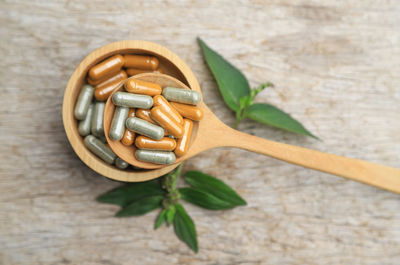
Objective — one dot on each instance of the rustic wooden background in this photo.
(336, 67)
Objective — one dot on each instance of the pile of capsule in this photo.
(161, 117)
(102, 79)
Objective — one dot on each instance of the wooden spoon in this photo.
(210, 133)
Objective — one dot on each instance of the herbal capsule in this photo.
(117, 128)
(101, 80)
(85, 125)
(121, 164)
(106, 67)
(100, 149)
(186, 96)
(164, 144)
(188, 111)
(124, 99)
(104, 89)
(134, 71)
(156, 157)
(146, 128)
(144, 114)
(141, 62)
(142, 87)
(165, 120)
(164, 104)
(129, 136)
(82, 104)
(97, 119)
(183, 143)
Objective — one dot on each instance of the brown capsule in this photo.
(163, 118)
(164, 144)
(101, 80)
(142, 87)
(104, 89)
(129, 136)
(141, 62)
(183, 143)
(135, 71)
(188, 111)
(164, 104)
(106, 67)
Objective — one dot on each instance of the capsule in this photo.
(82, 104)
(135, 71)
(156, 157)
(183, 143)
(121, 164)
(140, 62)
(164, 104)
(101, 80)
(85, 125)
(129, 136)
(100, 149)
(144, 114)
(106, 67)
(186, 96)
(129, 100)
(117, 128)
(97, 119)
(188, 111)
(104, 89)
(146, 128)
(165, 120)
(164, 144)
(142, 87)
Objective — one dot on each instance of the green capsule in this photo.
(85, 125)
(131, 100)
(84, 99)
(117, 128)
(99, 149)
(156, 157)
(180, 95)
(145, 128)
(121, 164)
(97, 119)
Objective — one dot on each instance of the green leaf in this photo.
(127, 194)
(141, 206)
(185, 228)
(204, 199)
(214, 186)
(270, 115)
(171, 214)
(160, 219)
(231, 82)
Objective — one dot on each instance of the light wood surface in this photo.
(335, 66)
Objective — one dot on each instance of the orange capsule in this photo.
(141, 62)
(144, 114)
(106, 67)
(163, 118)
(135, 71)
(129, 136)
(142, 87)
(183, 143)
(166, 106)
(104, 89)
(188, 111)
(164, 144)
(101, 80)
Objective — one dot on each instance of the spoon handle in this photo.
(369, 173)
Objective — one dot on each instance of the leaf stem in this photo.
(169, 184)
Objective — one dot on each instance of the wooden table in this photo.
(336, 68)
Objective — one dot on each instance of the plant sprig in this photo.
(236, 93)
(204, 191)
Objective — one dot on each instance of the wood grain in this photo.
(335, 66)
